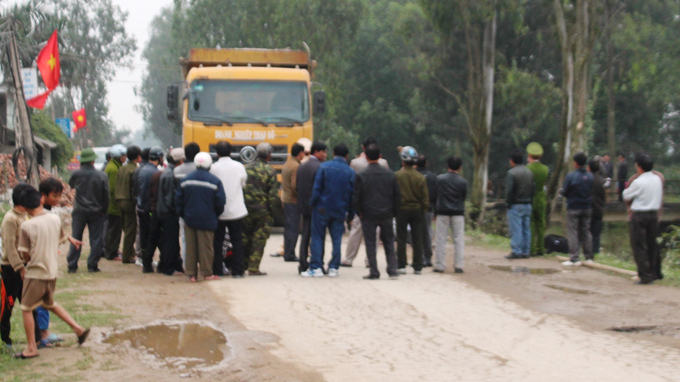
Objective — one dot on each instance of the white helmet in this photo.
(408, 154)
(117, 151)
(203, 160)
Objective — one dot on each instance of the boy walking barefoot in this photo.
(39, 240)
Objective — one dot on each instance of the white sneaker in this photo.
(589, 261)
(139, 261)
(401, 271)
(571, 264)
(332, 272)
(312, 273)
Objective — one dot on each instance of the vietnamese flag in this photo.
(48, 63)
(38, 102)
(79, 118)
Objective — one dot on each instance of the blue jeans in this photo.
(336, 227)
(43, 319)
(519, 222)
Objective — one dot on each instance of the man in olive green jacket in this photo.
(125, 198)
(538, 205)
(415, 201)
(115, 228)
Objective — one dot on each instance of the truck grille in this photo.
(279, 156)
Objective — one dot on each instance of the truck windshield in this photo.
(248, 101)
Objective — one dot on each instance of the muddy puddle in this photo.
(525, 270)
(660, 330)
(176, 345)
(569, 290)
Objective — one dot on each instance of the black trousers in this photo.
(95, 225)
(369, 228)
(644, 229)
(414, 218)
(291, 230)
(171, 258)
(11, 288)
(235, 262)
(596, 225)
(152, 241)
(144, 227)
(113, 236)
(304, 242)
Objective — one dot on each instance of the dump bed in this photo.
(281, 58)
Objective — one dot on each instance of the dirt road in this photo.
(484, 325)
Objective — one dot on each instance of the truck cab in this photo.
(245, 97)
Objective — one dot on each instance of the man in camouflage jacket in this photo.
(261, 195)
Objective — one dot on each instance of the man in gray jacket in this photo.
(376, 201)
(519, 194)
(92, 201)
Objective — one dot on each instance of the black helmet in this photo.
(156, 153)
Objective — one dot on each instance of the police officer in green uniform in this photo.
(541, 172)
(261, 195)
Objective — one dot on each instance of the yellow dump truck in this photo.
(245, 97)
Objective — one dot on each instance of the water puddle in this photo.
(660, 330)
(176, 345)
(569, 290)
(525, 270)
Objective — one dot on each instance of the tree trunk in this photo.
(483, 131)
(611, 100)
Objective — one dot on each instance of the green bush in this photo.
(44, 127)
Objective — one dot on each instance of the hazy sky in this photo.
(122, 99)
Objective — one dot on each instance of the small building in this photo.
(46, 148)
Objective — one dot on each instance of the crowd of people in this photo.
(213, 218)
(584, 189)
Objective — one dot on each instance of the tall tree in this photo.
(576, 23)
(475, 22)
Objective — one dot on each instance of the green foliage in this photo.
(44, 127)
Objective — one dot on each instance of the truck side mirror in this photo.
(319, 102)
(172, 103)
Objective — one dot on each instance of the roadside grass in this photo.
(72, 293)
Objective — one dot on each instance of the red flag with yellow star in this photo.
(48, 63)
(38, 102)
(79, 118)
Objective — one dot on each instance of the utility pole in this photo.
(22, 130)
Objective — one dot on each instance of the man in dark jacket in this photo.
(331, 201)
(135, 187)
(414, 203)
(578, 188)
(428, 233)
(450, 215)
(519, 195)
(597, 203)
(376, 202)
(91, 203)
(171, 260)
(622, 175)
(144, 205)
(125, 197)
(305, 186)
(155, 232)
(200, 201)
